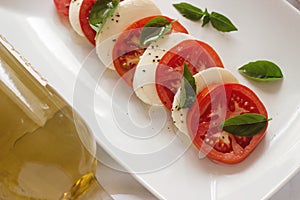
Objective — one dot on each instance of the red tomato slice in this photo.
(127, 50)
(84, 14)
(213, 106)
(62, 6)
(196, 54)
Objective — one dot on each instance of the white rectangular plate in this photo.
(158, 157)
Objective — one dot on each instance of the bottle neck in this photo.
(87, 187)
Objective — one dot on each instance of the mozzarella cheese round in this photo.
(127, 12)
(214, 75)
(74, 10)
(144, 77)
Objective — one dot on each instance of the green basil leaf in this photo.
(154, 29)
(100, 12)
(187, 89)
(218, 21)
(248, 124)
(261, 70)
(189, 11)
(206, 18)
(221, 23)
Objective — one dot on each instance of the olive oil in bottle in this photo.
(46, 150)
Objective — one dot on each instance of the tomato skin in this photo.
(62, 6)
(196, 54)
(127, 47)
(84, 14)
(204, 131)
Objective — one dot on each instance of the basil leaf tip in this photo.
(187, 89)
(221, 22)
(154, 30)
(248, 124)
(206, 18)
(100, 12)
(261, 70)
(189, 11)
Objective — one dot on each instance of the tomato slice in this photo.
(62, 6)
(127, 50)
(215, 104)
(84, 14)
(196, 54)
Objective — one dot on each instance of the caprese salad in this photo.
(166, 66)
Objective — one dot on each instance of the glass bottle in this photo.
(46, 149)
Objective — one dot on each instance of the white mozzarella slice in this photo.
(214, 75)
(144, 77)
(74, 10)
(127, 12)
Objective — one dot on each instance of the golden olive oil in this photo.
(42, 155)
